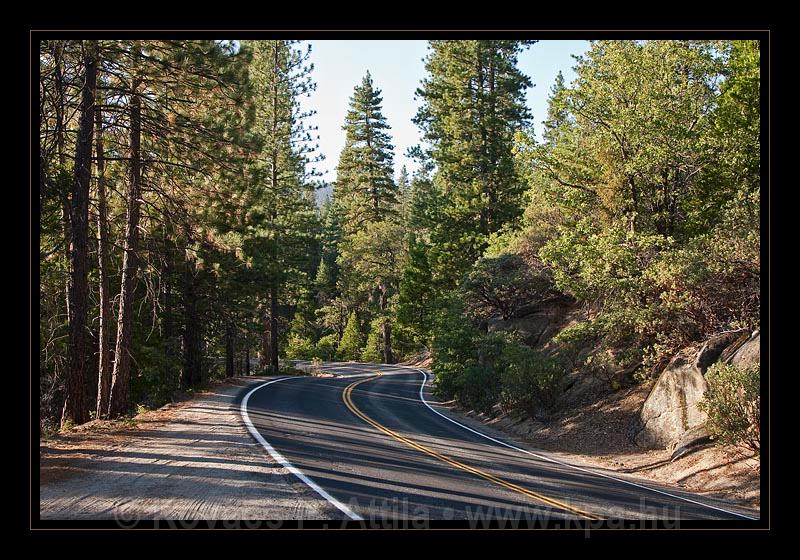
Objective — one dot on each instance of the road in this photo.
(369, 444)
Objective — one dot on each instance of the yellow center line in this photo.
(348, 401)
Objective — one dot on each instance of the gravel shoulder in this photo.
(189, 460)
(598, 436)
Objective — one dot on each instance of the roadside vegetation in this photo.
(179, 221)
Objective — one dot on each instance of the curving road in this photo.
(370, 444)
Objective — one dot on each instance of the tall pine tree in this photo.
(365, 186)
(472, 104)
(279, 219)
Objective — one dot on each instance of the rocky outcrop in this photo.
(715, 346)
(690, 441)
(670, 416)
(671, 408)
(537, 324)
(747, 354)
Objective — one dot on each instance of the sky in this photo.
(397, 69)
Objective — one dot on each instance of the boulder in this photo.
(690, 441)
(749, 353)
(714, 346)
(671, 408)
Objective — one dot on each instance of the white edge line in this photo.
(545, 458)
(282, 460)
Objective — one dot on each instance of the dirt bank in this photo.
(599, 434)
(190, 460)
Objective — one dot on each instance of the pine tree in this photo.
(75, 410)
(373, 350)
(473, 103)
(365, 187)
(350, 345)
(417, 298)
(280, 212)
(404, 195)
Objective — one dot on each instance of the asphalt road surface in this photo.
(369, 444)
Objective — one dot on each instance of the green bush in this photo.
(733, 404)
(530, 381)
(477, 387)
(373, 351)
(326, 348)
(299, 348)
(350, 345)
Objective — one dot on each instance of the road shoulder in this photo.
(189, 460)
(712, 471)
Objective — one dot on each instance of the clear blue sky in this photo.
(397, 68)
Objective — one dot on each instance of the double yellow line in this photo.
(348, 401)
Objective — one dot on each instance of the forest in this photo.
(181, 238)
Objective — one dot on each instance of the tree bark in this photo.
(192, 340)
(75, 409)
(104, 337)
(273, 327)
(264, 353)
(247, 361)
(58, 56)
(120, 377)
(386, 330)
(229, 351)
(273, 290)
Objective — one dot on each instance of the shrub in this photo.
(477, 387)
(326, 348)
(733, 404)
(299, 348)
(531, 382)
(350, 345)
(373, 351)
(498, 286)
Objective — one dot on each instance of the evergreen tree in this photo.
(373, 350)
(404, 195)
(473, 102)
(279, 209)
(417, 300)
(365, 188)
(351, 342)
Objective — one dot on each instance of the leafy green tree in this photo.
(501, 285)
(326, 348)
(375, 255)
(417, 300)
(632, 191)
(404, 195)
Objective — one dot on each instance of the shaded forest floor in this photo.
(188, 460)
(597, 432)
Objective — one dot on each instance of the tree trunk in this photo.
(263, 358)
(104, 337)
(58, 56)
(388, 358)
(386, 330)
(247, 361)
(120, 377)
(168, 321)
(75, 409)
(273, 327)
(192, 340)
(273, 290)
(229, 351)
